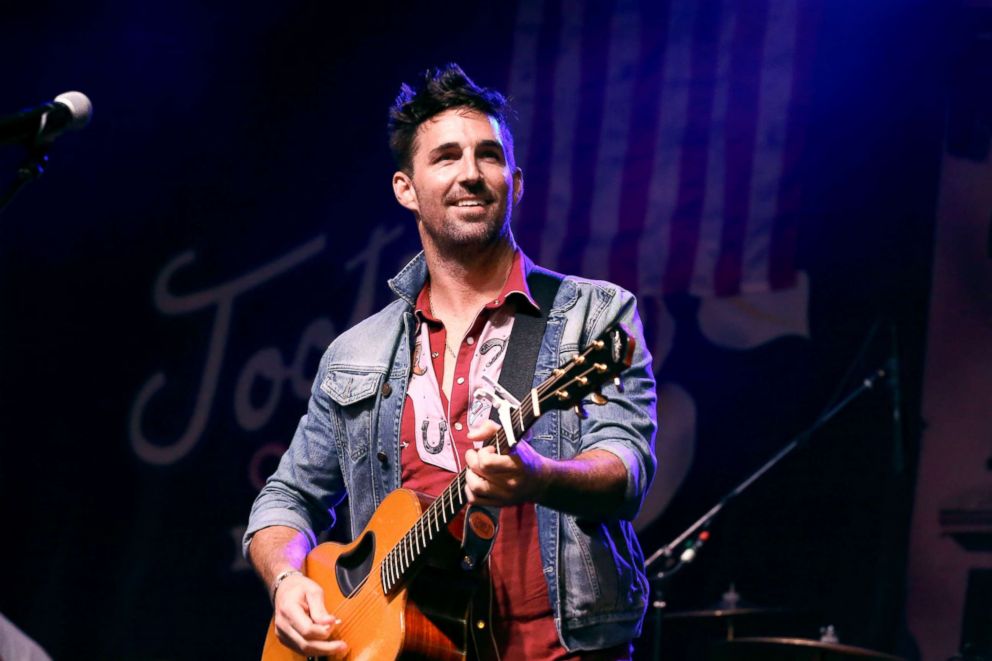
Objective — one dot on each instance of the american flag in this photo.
(660, 140)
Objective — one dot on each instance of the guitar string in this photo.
(366, 600)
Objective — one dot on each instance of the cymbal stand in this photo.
(693, 538)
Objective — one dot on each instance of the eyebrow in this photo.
(454, 145)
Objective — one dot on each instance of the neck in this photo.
(462, 284)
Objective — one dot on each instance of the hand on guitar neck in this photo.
(590, 484)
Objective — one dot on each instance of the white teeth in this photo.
(469, 203)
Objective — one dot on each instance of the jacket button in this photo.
(381, 456)
(387, 389)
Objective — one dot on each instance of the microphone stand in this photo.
(698, 533)
(31, 168)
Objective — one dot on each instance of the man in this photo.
(393, 404)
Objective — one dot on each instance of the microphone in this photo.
(40, 125)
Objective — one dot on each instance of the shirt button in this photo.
(387, 389)
(381, 456)
(458, 426)
(470, 340)
(461, 380)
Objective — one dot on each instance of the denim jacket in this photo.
(348, 444)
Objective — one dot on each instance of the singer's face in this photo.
(464, 182)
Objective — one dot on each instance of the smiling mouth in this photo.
(470, 203)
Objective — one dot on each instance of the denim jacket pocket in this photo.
(354, 393)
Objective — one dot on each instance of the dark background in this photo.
(242, 132)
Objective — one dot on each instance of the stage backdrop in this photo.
(762, 175)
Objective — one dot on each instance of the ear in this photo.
(404, 191)
(518, 185)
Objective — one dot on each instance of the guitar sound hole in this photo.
(354, 566)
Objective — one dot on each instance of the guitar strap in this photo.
(517, 376)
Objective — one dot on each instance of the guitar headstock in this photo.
(600, 362)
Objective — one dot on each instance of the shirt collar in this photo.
(515, 287)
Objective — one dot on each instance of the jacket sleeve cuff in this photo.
(279, 516)
(636, 486)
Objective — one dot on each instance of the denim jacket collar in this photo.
(410, 280)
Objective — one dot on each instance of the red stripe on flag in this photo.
(533, 211)
(638, 168)
(594, 54)
(740, 135)
(785, 230)
(685, 223)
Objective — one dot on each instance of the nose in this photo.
(470, 172)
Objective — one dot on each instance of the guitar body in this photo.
(426, 619)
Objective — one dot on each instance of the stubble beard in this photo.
(465, 242)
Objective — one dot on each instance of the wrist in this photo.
(546, 475)
(279, 579)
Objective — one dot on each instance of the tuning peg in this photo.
(562, 395)
(618, 383)
(598, 399)
(581, 411)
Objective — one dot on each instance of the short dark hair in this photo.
(441, 89)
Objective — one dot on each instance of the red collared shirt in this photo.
(523, 622)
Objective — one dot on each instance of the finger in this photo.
(335, 649)
(318, 612)
(490, 463)
(483, 432)
(289, 636)
(475, 486)
(483, 491)
(472, 459)
(293, 605)
(312, 641)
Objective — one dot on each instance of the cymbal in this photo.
(794, 649)
(719, 613)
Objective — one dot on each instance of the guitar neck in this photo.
(398, 562)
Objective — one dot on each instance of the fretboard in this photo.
(396, 565)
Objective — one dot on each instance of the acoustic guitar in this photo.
(397, 588)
